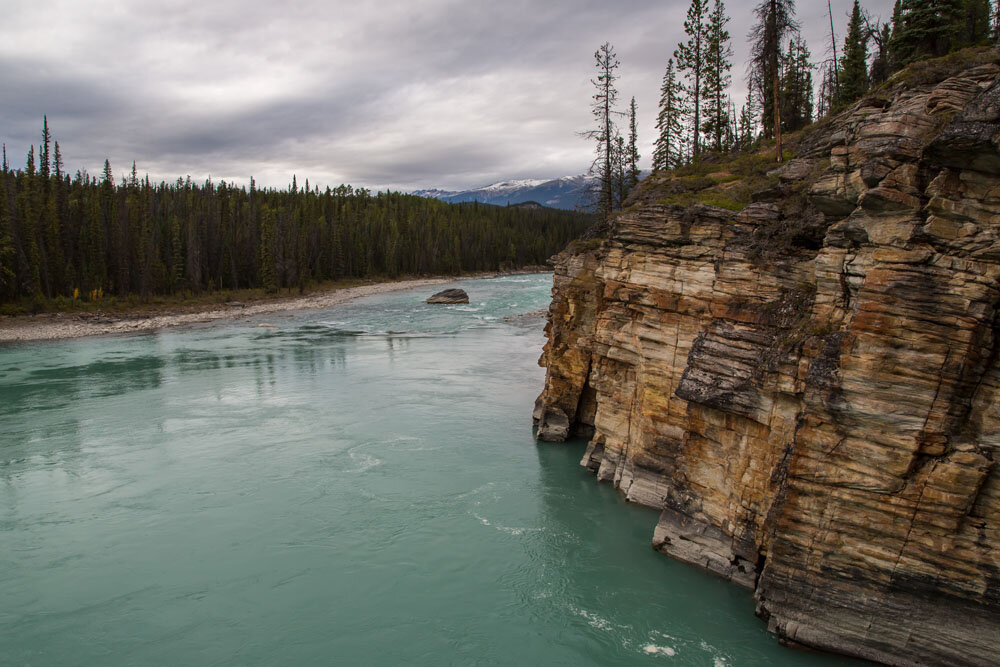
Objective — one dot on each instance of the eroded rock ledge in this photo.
(809, 387)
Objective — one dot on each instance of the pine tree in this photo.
(853, 75)
(775, 19)
(669, 122)
(54, 259)
(976, 29)
(927, 28)
(797, 87)
(176, 255)
(632, 151)
(57, 163)
(620, 171)
(27, 208)
(603, 110)
(827, 90)
(746, 126)
(690, 57)
(718, 64)
(96, 262)
(896, 30)
(881, 67)
(7, 254)
(43, 149)
(268, 251)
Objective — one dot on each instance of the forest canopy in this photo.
(84, 237)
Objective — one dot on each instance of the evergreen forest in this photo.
(86, 238)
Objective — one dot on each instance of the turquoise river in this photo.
(357, 486)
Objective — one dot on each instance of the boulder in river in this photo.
(450, 296)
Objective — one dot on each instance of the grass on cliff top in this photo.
(725, 181)
(934, 71)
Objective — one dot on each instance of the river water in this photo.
(355, 486)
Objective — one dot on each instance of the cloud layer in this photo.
(387, 94)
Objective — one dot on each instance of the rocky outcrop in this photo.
(449, 296)
(809, 387)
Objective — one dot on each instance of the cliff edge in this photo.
(800, 368)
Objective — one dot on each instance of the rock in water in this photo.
(450, 296)
(806, 381)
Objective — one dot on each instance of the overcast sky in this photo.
(395, 94)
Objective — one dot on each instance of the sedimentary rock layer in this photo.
(809, 387)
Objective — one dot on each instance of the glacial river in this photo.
(358, 486)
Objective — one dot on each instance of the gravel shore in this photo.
(56, 326)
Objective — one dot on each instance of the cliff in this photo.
(799, 367)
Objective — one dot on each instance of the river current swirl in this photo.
(353, 486)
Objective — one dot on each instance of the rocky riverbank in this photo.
(58, 325)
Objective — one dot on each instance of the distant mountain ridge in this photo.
(568, 192)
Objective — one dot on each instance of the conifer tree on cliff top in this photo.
(926, 28)
(632, 155)
(690, 58)
(775, 19)
(854, 64)
(975, 28)
(668, 122)
(718, 64)
(603, 110)
(796, 87)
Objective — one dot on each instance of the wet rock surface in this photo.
(449, 296)
(818, 419)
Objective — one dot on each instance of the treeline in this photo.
(84, 237)
(697, 113)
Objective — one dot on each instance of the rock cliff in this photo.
(800, 368)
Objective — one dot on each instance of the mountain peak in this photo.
(567, 192)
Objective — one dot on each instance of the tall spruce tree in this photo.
(43, 151)
(797, 87)
(268, 251)
(747, 123)
(691, 60)
(827, 90)
(775, 19)
(718, 65)
(669, 122)
(853, 75)
(896, 30)
(632, 150)
(603, 110)
(881, 67)
(928, 28)
(977, 26)
(620, 169)
(27, 210)
(7, 254)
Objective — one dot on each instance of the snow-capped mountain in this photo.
(568, 192)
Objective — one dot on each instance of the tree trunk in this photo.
(775, 49)
(833, 41)
(697, 97)
(777, 116)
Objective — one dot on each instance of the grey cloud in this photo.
(437, 93)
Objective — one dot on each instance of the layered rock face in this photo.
(809, 387)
